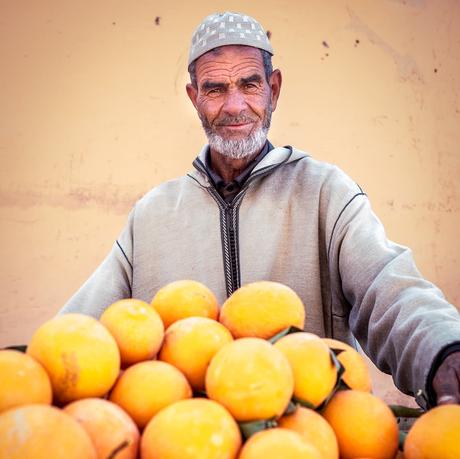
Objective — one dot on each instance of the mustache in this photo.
(229, 120)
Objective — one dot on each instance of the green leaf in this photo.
(250, 428)
(401, 440)
(343, 385)
(282, 333)
(339, 385)
(405, 412)
(303, 403)
(290, 409)
(17, 347)
(340, 368)
(336, 351)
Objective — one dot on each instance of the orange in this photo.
(251, 378)
(356, 375)
(42, 432)
(79, 354)
(278, 443)
(191, 343)
(185, 298)
(191, 429)
(435, 434)
(315, 374)
(363, 424)
(314, 429)
(109, 427)
(23, 381)
(262, 309)
(137, 329)
(147, 387)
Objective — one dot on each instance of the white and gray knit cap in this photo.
(228, 28)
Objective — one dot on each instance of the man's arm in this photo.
(401, 320)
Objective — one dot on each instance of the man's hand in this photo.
(446, 381)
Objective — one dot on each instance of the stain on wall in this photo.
(405, 65)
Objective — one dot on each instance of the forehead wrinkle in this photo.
(226, 69)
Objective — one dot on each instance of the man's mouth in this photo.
(235, 121)
(235, 125)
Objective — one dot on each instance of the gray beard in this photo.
(239, 148)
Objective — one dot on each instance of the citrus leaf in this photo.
(252, 427)
(401, 440)
(405, 412)
(343, 385)
(340, 368)
(339, 384)
(282, 333)
(303, 403)
(18, 347)
(290, 409)
(336, 351)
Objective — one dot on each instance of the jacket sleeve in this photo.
(401, 320)
(111, 281)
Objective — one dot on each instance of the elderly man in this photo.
(250, 211)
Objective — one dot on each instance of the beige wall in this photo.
(94, 113)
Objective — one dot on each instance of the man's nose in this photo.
(234, 103)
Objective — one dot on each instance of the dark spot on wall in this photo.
(327, 54)
(157, 20)
(114, 23)
(356, 42)
(435, 70)
(325, 44)
(269, 34)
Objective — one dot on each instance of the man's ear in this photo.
(275, 86)
(192, 93)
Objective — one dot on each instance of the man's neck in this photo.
(229, 168)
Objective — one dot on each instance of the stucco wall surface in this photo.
(94, 113)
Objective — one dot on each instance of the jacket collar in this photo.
(274, 158)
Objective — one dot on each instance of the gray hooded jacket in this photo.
(298, 221)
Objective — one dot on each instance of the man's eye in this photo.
(250, 86)
(215, 91)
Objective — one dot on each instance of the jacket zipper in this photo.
(229, 235)
(229, 226)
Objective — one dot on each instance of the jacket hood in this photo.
(276, 157)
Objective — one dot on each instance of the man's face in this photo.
(234, 100)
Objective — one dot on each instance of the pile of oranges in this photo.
(184, 378)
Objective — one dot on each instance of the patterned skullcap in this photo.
(220, 29)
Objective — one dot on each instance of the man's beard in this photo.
(238, 148)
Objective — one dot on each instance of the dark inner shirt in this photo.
(228, 190)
